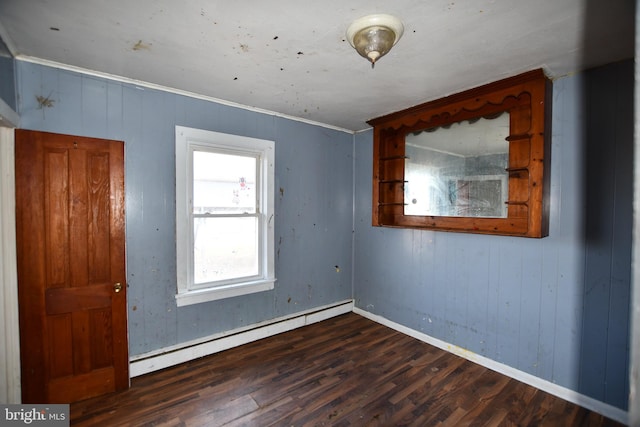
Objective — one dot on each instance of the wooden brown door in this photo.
(71, 266)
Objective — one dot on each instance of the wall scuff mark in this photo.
(44, 102)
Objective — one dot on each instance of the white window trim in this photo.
(186, 138)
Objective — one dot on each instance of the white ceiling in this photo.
(291, 56)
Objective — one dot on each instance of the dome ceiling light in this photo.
(373, 36)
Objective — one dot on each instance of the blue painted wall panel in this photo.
(94, 105)
(555, 307)
(566, 240)
(7, 76)
(314, 206)
(67, 102)
(618, 339)
(313, 218)
(599, 196)
(529, 307)
(608, 230)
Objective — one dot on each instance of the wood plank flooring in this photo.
(345, 371)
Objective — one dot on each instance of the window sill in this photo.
(222, 292)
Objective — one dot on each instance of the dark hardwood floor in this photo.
(346, 371)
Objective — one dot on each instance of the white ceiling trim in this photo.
(143, 84)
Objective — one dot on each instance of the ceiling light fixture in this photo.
(373, 36)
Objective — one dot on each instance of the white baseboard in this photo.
(170, 356)
(572, 396)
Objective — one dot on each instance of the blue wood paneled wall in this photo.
(314, 199)
(557, 307)
(7, 76)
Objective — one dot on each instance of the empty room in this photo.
(339, 213)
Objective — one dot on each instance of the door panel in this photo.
(70, 234)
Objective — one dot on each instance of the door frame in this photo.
(10, 389)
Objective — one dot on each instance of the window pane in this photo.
(223, 183)
(225, 248)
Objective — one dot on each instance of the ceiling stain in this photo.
(140, 45)
(244, 47)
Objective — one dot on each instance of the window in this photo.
(224, 215)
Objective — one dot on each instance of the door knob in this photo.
(117, 287)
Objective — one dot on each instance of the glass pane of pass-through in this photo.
(225, 248)
(224, 183)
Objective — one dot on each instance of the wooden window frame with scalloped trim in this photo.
(527, 98)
